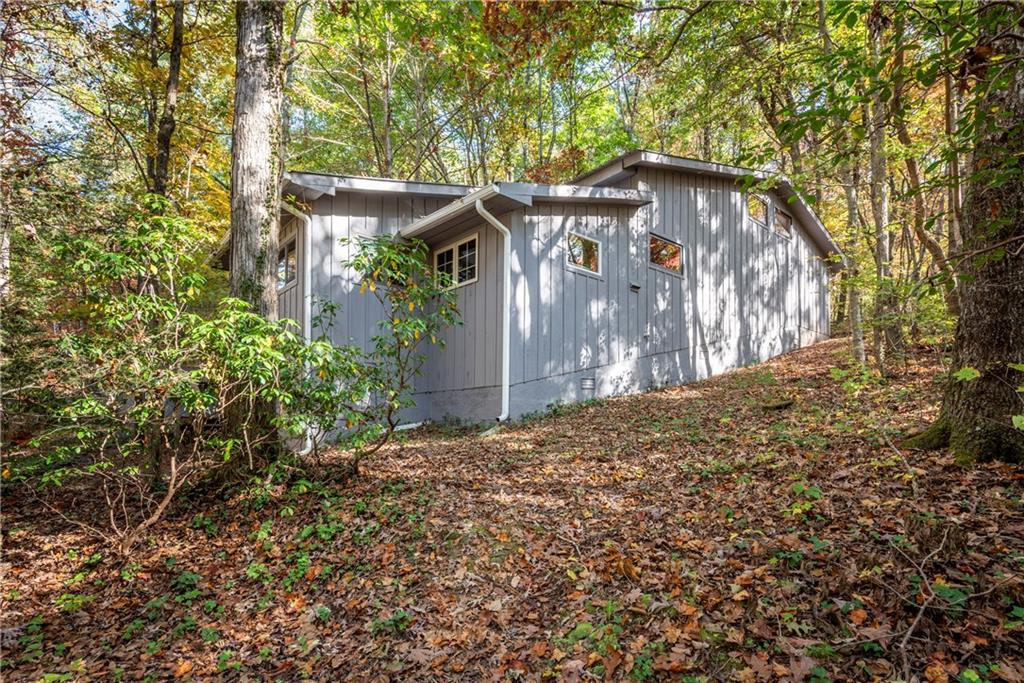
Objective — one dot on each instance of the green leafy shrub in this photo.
(364, 391)
(159, 392)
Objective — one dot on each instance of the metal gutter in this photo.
(466, 203)
(506, 308)
(330, 184)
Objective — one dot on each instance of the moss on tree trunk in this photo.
(256, 155)
(936, 436)
(256, 170)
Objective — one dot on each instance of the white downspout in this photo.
(307, 287)
(506, 309)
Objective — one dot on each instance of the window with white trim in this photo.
(783, 223)
(456, 264)
(287, 265)
(666, 254)
(757, 208)
(583, 253)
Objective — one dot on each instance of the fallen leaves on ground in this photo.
(688, 533)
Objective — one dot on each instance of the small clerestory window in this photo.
(456, 264)
(287, 265)
(783, 223)
(757, 209)
(583, 253)
(666, 254)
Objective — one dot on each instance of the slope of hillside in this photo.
(758, 526)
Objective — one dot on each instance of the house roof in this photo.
(593, 187)
(624, 166)
(309, 186)
(500, 198)
(313, 185)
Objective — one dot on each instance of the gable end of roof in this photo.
(623, 166)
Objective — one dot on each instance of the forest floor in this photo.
(691, 533)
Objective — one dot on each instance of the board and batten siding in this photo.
(563, 319)
(471, 353)
(746, 293)
(351, 215)
(289, 299)
(753, 293)
(462, 380)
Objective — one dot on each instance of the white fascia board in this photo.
(579, 193)
(312, 186)
(329, 184)
(815, 229)
(462, 205)
(526, 194)
(381, 185)
(670, 162)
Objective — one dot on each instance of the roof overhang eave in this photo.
(458, 209)
(816, 230)
(502, 197)
(331, 184)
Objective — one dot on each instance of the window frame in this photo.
(766, 223)
(583, 269)
(792, 221)
(454, 248)
(282, 255)
(682, 252)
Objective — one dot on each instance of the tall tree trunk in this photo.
(151, 103)
(256, 165)
(976, 416)
(952, 113)
(856, 316)
(289, 73)
(850, 175)
(839, 316)
(887, 336)
(167, 122)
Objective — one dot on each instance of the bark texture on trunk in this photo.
(975, 420)
(256, 164)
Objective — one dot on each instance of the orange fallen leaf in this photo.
(183, 668)
(611, 663)
(935, 673)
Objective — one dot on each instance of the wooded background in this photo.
(874, 109)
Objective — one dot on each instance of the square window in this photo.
(757, 208)
(583, 253)
(783, 223)
(287, 265)
(456, 263)
(666, 254)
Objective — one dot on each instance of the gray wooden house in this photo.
(650, 270)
